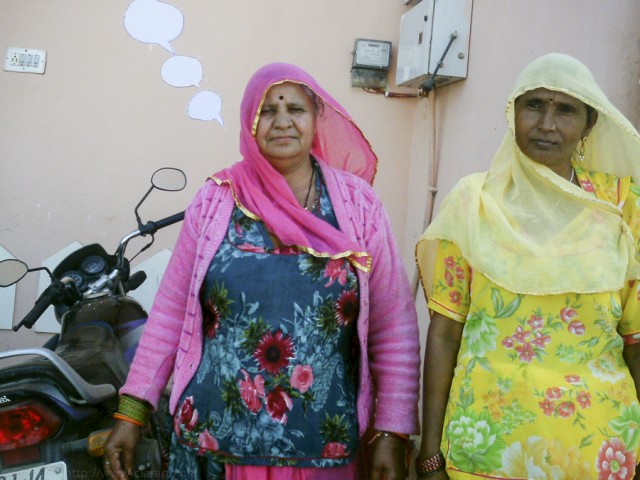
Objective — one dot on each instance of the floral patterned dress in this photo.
(541, 390)
(277, 383)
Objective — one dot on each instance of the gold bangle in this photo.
(431, 465)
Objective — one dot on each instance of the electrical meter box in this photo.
(427, 31)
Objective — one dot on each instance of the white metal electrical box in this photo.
(427, 31)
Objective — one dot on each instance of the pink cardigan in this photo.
(171, 343)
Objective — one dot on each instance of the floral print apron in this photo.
(277, 383)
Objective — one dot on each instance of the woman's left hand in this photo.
(389, 460)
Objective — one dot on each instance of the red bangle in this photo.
(119, 416)
(430, 465)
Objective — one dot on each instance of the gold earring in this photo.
(581, 149)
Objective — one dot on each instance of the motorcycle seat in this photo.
(91, 349)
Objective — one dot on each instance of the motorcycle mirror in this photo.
(169, 179)
(12, 271)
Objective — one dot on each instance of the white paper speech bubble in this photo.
(181, 71)
(151, 21)
(206, 106)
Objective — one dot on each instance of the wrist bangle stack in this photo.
(430, 466)
(132, 410)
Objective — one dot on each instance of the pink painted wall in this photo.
(78, 144)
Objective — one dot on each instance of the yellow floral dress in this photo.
(541, 390)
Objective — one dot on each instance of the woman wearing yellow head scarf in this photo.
(531, 272)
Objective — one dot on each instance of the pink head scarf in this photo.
(264, 192)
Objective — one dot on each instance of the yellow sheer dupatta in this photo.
(529, 230)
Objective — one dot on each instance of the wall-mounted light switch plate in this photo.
(27, 60)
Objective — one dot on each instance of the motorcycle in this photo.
(57, 401)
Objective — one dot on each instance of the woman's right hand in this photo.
(119, 450)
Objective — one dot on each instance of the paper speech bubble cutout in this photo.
(206, 106)
(181, 71)
(151, 21)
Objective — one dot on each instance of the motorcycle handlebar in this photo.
(148, 228)
(135, 281)
(42, 303)
(152, 227)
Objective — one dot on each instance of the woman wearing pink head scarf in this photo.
(285, 316)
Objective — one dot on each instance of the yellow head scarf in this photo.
(526, 228)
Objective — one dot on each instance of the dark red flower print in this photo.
(278, 404)
(187, 416)
(210, 318)
(274, 352)
(459, 273)
(334, 450)
(347, 307)
(215, 308)
(615, 462)
(252, 391)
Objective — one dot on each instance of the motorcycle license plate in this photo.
(52, 471)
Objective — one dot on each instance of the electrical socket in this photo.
(26, 60)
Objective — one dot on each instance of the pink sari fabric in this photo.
(235, 472)
(265, 193)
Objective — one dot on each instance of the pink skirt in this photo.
(238, 472)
